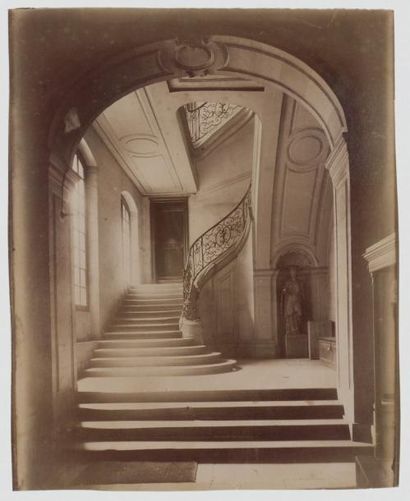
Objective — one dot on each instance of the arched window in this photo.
(126, 241)
(80, 237)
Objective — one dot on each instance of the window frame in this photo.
(81, 307)
(125, 207)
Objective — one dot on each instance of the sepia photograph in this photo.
(203, 249)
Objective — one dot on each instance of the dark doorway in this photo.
(170, 238)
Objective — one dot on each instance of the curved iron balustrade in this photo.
(210, 250)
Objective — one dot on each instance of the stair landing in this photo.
(254, 374)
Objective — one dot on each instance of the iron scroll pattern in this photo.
(210, 248)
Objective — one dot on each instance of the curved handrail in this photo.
(210, 248)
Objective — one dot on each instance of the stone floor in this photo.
(252, 374)
(258, 476)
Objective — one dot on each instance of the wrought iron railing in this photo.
(205, 118)
(210, 249)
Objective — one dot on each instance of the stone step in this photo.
(212, 410)
(147, 307)
(230, 451)
(131, 316)
(283, 394)
(187, 370)
(224, 430)
(143, 327)
(154, 297)
(156, 287)
(144, 343)
(147, 352)
(155, 361)
(150, 308)
(135, 334)
(154, 301)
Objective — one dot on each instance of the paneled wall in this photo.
(226, 305)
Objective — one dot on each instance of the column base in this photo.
(191, 329)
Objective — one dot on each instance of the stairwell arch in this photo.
(102, 85)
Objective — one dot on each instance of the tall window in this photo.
(126, 240)
(80, 238)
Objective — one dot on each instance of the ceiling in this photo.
(151, 132)
(148, 130)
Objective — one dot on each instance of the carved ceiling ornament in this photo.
(141, 145)
(306, 150)
(195, 57)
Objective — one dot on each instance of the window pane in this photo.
(79, 236)
(83, 297)
(77, 296)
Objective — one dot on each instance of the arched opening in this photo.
(130, 227)
(80, 237)
(280, 75)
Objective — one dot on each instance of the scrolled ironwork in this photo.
(204, 118)
(210, 249)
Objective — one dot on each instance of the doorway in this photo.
(169, 224)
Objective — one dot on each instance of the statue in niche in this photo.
(291, 304)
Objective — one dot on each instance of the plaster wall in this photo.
(112, 181)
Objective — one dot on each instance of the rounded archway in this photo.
(231, 56)
(171, 59)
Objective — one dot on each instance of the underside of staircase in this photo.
(142, 422)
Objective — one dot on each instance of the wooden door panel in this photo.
(170, 238)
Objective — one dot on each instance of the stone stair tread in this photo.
(162, 368)
(200, 405)
(196, 423)
(141, 325)
(127, 333)
(149, 342)
(195, 444)
(144, 319)
(162, 357)
(147, 350)
(142, 395)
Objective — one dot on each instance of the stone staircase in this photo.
(234, 426)
(130, 407)
(145, 340)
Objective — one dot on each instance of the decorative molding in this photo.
(213, 82)
(301, 164)
(195, 57)
(382, 254)
(108, 141)
(71, 120)
(141, 145)
(294, 247)
(151, 117)
(337, 163)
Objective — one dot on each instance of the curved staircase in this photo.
(145, 339)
